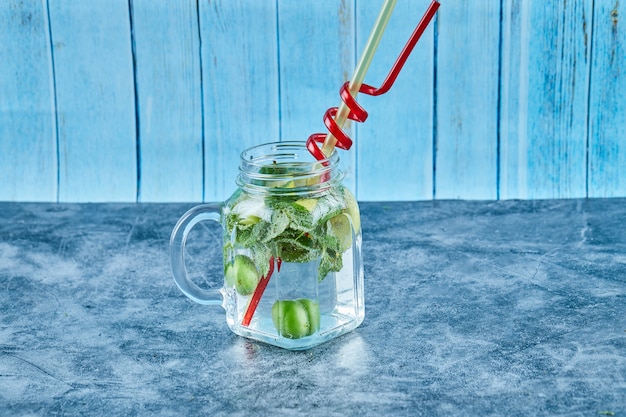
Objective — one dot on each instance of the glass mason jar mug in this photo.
(293, 272)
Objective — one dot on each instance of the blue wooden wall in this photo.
(143, 100)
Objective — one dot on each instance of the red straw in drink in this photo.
(335, 117)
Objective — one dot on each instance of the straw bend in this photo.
(350, 109)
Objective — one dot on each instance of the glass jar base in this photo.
(331, 326)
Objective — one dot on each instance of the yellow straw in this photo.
(361, 69)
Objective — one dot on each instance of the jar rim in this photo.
(258, 155)
(286, 167)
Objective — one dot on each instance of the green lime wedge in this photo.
(290, 319)
(342, 229)
(307, 203)
(353, 210)
(242, 274)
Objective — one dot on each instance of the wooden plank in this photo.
(316, 57)
(467, 99)
(607, 141)
(546, 59)
(28, 153)
(545, 78)
(167, 60)
(240, 86)
(95, 100)
(395, 145)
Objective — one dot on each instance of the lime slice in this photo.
(342, 229)
(313, 311)
(242, 274)
(307, 203)
(294, 319)
(250, 220)
(352, 210)
(290, 319)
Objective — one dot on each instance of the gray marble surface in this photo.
(472, 308)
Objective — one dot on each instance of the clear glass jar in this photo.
(293, 272)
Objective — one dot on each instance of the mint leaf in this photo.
(297, 250)
(330, 261)
(301, 218)
(261, 254)
(292, 227)
(278, 224)
(330, 256)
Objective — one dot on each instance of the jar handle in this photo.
(177, 253)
